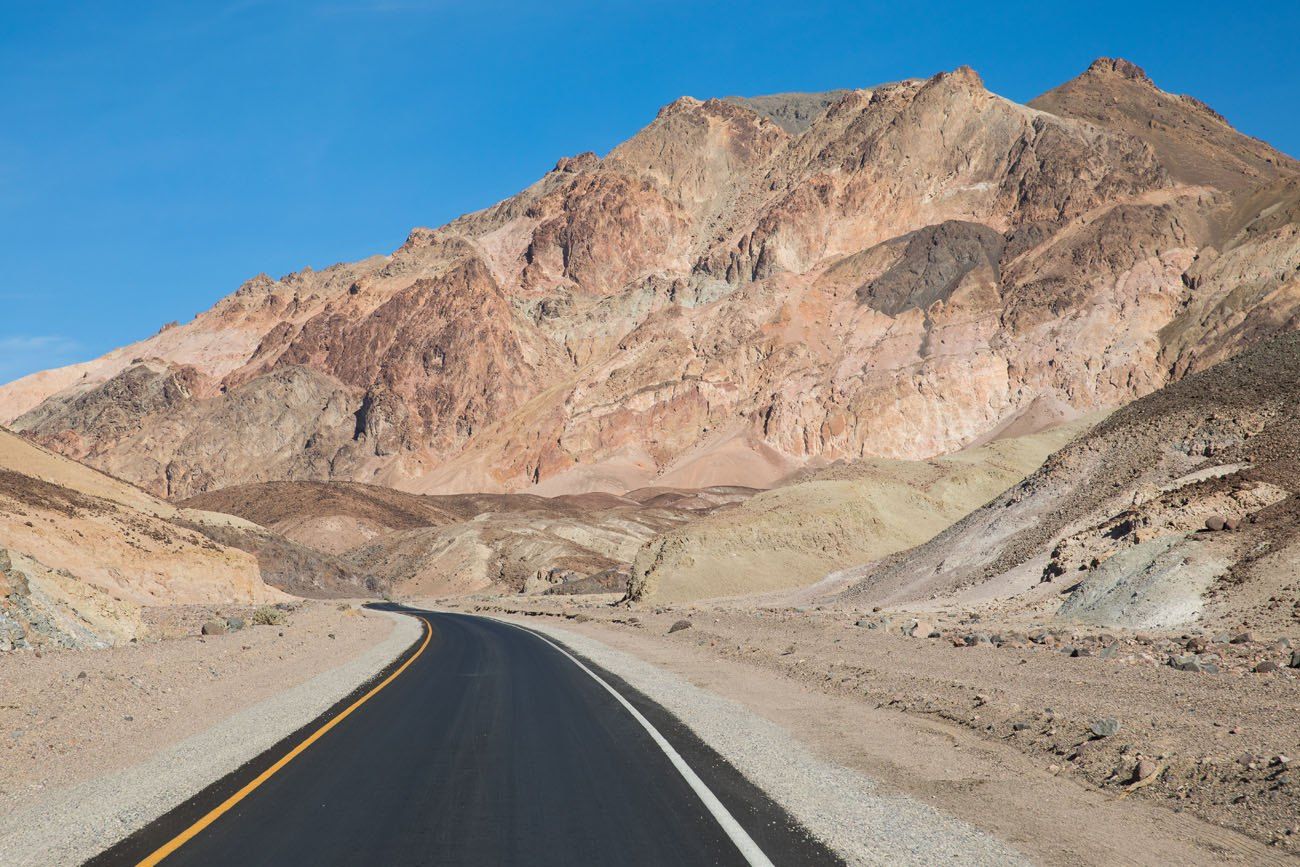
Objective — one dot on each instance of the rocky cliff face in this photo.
(743, 288)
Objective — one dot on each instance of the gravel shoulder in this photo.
(983, 737)
(97, 743)
(843, 808)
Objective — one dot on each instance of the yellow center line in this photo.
(217, 812)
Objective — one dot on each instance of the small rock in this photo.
(1186, 663)
(1295, 659)
(214, 627)
(1105, 727)
(331, 635)
(129, 718)
(917, 629)
(974, 638)
(1215, 523)
(234, 624)
(1019, 726)
(1080, 651)
(1109, 651)
(1231, 523)
(679, 626)
(1266, 667)
(1143, 769)
(1196, 644)
(1242, 638)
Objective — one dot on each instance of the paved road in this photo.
(491, 747)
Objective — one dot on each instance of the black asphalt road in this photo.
(491, 748)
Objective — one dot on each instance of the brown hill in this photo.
(433, 545)
(741, 289)
(1113, 528)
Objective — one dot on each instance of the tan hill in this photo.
(81, 552)
(432, 545)
(1113, 529)
(743, 288)
(830, 519)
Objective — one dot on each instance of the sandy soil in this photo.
(70, 716)
(1000, 736)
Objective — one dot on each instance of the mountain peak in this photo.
(962, 74)
(1121, 67)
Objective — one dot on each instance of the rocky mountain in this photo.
(744, 288)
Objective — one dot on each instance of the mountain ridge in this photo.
(719, 300)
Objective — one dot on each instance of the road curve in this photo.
(484, 745)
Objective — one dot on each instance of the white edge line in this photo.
(748, 848)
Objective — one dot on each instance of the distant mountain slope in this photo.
(1194, 142)
(743, 287)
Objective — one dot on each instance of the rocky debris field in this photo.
(68, 716)
(1196, 722)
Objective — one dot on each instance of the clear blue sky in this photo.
(152, 161)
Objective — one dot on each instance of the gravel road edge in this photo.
(841, 807)
(71, 825)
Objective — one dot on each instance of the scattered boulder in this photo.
(1231, 523)
(1215, 523)
(1186, 663)
(874, 623)
(1105, 727)
(214, 627)
(1295, 659)
(1266, 667)
(234, 624)
(679, 626)
(975, 638)
(1242, 638)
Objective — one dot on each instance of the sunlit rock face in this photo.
(745, 287)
